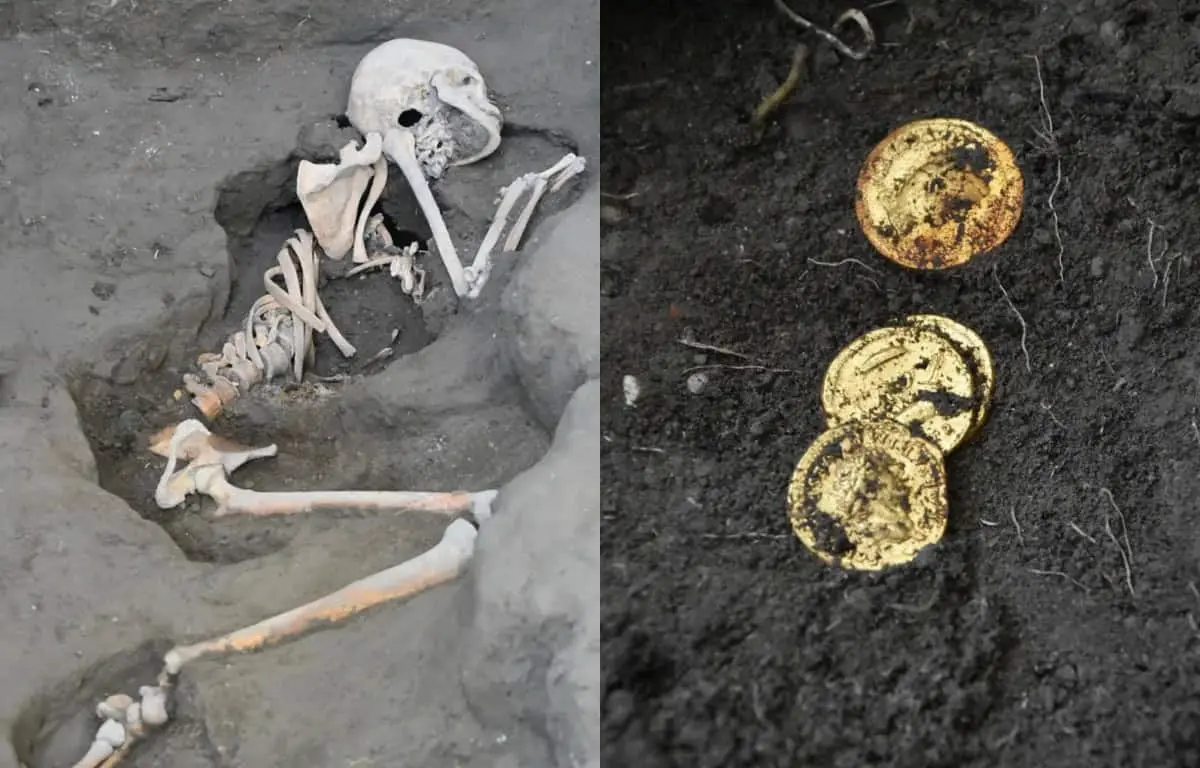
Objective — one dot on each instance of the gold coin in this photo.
(976, 354)
(867, 495)
(912, 376)
(935, 193)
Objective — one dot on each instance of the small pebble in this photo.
(697, 382)
(632, 390)
(611, 214)
(1098, 267)
(1112, 34)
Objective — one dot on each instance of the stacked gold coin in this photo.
(870, 492)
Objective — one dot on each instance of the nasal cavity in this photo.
(409, 117)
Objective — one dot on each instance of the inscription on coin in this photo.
(910, 375)
(867, 495)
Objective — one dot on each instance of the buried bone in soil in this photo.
(407, 99)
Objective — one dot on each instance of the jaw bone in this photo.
(330, 194)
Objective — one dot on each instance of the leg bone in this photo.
(212, 458)
(438, 565)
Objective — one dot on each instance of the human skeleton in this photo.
(424, 107)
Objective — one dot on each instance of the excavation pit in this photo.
(325, 440)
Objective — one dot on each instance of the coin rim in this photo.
(839, 361)
(976, 354)
(1012, 193)
(800, 502)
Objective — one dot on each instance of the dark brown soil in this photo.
(1023, 639)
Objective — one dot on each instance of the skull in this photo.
(435, 92)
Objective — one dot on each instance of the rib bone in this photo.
(438, 565)
(277, 333)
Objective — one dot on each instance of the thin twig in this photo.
(851, 15)
(719, 367)
(643, 85)
(1020, 319)
(1126, 551)
(1195, 429)
(747, 535)
(1151, 226)
(775, 99)
(1050, 412)
(1012, 512)
(1080, 531)
(617, 196)
(843, 263)
(1167, 278)
(1052, 141)
(1060, 574)
(690, 344)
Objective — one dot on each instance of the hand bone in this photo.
(438, 565)
(401, 262)
(212, 458)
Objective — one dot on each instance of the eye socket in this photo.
(467, 80)
(408, 118)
